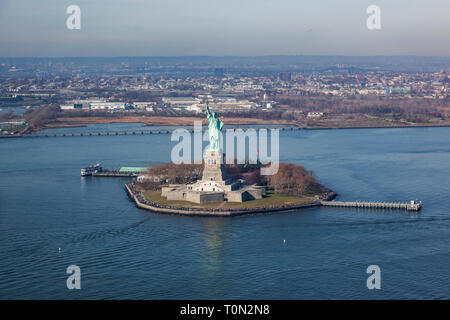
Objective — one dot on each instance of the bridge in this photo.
(96, 133)
(137, 132)
(411, 206)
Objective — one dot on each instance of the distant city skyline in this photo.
(218, 28)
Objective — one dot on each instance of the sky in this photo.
(37, 28)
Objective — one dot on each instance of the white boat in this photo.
(88, 171)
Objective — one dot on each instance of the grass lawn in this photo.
(271, 199)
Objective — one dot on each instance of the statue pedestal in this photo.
(213, 166)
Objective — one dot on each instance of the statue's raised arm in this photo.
(207, 109)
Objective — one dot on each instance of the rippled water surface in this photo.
(124, 252)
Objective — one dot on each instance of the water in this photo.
(17, 110)
(124, 252)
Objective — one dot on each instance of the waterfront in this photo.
(124, 252)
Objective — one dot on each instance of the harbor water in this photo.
(51, 218)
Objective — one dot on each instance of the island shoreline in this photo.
(137, 197)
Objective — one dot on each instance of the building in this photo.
(228, 104)
(95, 105)
(145, 106)
(285, 76)
(111, 106)
(183, 103)
(180, 101)
(134, 170)
(316, 114)
(73, 106)
(12, 124)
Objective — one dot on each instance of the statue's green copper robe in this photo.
(215, 126)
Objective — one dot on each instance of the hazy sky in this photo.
(226, 27)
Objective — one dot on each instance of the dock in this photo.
(98, 171)
(114, 173)
(410, 206)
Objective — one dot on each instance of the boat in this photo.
(88, 171)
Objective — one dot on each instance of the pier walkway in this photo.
(411, 206)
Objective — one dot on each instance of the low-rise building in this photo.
(316, 114)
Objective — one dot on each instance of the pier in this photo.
(115, 173)
(411, 206)
(98, 171)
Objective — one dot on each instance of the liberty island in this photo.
(218, 192)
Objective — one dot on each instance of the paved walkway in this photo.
(221, 205)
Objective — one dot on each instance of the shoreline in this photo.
(288, 126)
(137, 197)
(148, 121)
(379, 127)
(171, 122)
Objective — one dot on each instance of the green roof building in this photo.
(132, 169)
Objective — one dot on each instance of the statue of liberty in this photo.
(215, 126)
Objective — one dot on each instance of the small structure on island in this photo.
(214, 185)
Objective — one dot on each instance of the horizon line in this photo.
(230, 56)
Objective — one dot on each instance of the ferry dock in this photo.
(114, 173)
(410, 206)
(98, 171)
